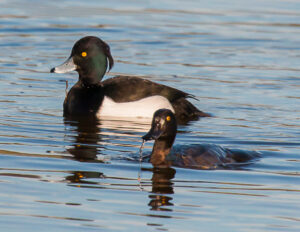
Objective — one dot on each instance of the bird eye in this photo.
(83, 54)
(168, 118)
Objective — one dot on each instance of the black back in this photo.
(128, 88)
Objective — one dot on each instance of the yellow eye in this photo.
(168, 118)
(83, 54)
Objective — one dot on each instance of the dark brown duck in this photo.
(198, 156)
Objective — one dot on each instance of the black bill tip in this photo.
(147, 137)
(153, 134)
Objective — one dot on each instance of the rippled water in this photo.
(239, 58)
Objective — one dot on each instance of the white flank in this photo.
(143, 108)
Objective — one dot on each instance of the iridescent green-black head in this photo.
(90, 57)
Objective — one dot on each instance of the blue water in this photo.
(239, 58)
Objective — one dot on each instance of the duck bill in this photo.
(153, 134)
(67, 66)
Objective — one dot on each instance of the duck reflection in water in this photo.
(86, 135)
(162, 187)
(79, 177)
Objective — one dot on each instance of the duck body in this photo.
(208, 156)
(128, 97)
(197, 156)
(124, 96)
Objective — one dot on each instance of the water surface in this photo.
(239, 58)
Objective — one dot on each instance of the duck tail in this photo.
(242, 156)
(186, 111)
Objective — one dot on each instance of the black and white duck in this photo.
(120, 96)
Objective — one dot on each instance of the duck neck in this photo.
(161, 149)
(88, 85)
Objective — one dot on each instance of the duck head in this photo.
(163, 125)
(90, 57)
(163, 131)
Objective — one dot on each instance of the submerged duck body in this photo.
(123, 96)
(197, 156)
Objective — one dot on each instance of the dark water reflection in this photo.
(162, 186)
(86, 148)
(86, 135)
(239, 58)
